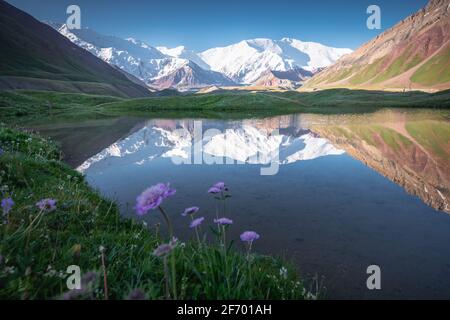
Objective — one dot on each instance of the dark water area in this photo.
(342, 192)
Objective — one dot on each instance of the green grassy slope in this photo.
(435, 71)
(413, 54)
(35, 56)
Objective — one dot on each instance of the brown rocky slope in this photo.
(414, 54)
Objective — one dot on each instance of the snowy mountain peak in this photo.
(260, 61)
(177, 68)
(184, 53)
(262, 44)
(247, 60)
(173, 52)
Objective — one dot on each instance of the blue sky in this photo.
(200, 24)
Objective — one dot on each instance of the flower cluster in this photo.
(223, 221)
(218, 188)
(152, 197)
(190, 211)
(196, 222)
(46, 205)
(7, 205)
(249, 236)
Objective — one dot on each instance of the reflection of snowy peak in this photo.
(244, 144)
(315, 147)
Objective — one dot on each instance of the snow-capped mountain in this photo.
(132, 56)
(177, 69)
(190, 75)
(263, 62)
(248, 60)
(184, 53)
(289, 79)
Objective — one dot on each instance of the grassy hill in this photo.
(34, 56)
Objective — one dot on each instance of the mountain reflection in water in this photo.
(410, 149)
(350, 190)
(252, 142)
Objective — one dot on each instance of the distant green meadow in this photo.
(22, 106)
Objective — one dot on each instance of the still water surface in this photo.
(349, 191)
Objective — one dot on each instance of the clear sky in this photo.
(202, 24)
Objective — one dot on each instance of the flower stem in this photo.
(196, 230)
(169, 224)
(172, 256)
(249, 249)
(105, 281)
(198, 237)
(166, 276)
(224, 239)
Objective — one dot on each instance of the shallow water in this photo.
(343, 192)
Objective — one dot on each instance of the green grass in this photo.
(401, 64)
(435, 71)
(367, 73)
(341, 75)
(36, 247)
(23, 107)
(353, 101)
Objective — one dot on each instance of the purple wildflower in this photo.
(7, 205)
(249, 236)
(218, 187)
(137, 294)
(189, 211)
(174, 242)
(47, 205)
(223, 221)
(163, 249)
(74, 294)
(152, 197)
(196, 222)
(88, 278)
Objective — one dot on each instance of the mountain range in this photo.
(286, 62)
(414, 54)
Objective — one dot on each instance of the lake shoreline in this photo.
(83, 225)
(24, 106)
